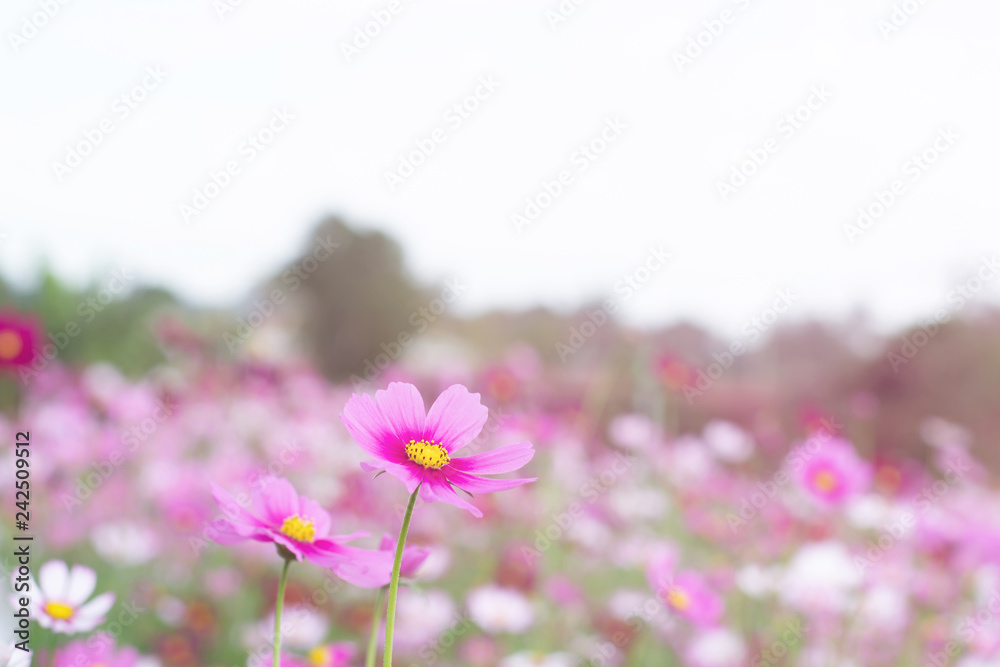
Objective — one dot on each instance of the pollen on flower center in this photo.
(10, 345)
(678, 599)
(427, 454)
(319, 656)
(58, 610)
(825, 481)
(297, 529)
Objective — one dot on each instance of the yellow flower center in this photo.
(58, 610)
(10, 345)
(297, 529)
(427, 454)
(319, 656)
(678, 599)
(825, 481)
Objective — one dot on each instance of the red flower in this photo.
(18, 340)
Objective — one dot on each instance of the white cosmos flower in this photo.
(718, 647)
(535, 659)
(124, 543)
(13, 657)
(301, 628)
(58, 603)
(496, 610)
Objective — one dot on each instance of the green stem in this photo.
(277, 612)
(52, 649)
(376, 619)
(390, 618)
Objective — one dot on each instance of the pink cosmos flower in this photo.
(96, 650)
(301, 526)
(58, 603)
(18, 340)
(413, 557)
(417, 446)
(337, 654)
(834, 474)
(688, 595)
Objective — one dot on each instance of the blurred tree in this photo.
(88, 326)
(355, 302)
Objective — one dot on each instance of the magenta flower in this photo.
(688, 595)
(18, 340)
(413, 557)
(302, 527)
(96, 650)
(418, 446)
(833, 475)
(337, 654)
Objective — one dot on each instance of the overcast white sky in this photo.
(656, 184)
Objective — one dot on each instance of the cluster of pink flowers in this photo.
(189, 492)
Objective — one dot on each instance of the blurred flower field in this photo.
(637, 545)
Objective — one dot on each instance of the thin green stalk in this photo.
(376, 619)
(52, 649)
(390, 619)
(277, 612)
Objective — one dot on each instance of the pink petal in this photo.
(361, 567)
(343, 539)
(403, 407)
(436, 487)
(276, 500)
(233, 509)
(226, 532)
(502, 459)
(371, 430)
(310, 509)
(298, 549)
(456, 418)
(475, 484)
(411, 474)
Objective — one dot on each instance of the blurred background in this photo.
(701, 234)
